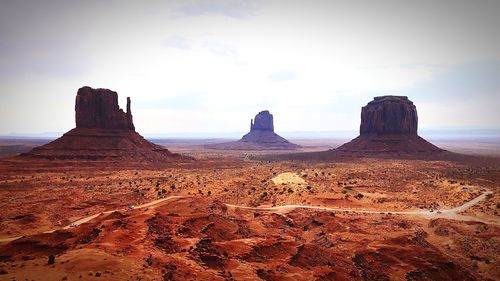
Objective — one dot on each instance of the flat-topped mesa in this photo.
(389, 126)
(98, 108)
(389, 115)
(263, 122)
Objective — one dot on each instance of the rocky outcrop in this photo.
(263, 122)
(389, 125)
(103, 132)
(389, 115)
(98, 108)
(260, 137)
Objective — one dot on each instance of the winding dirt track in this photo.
(452, 213)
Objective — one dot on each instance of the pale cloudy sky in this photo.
(210, 66)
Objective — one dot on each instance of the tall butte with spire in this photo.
(103, 132)
(98, 108)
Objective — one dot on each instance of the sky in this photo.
(195, 67)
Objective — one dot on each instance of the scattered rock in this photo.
(359, 196)
(52, 259)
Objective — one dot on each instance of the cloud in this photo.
(176, 41)
(285, 75)
(228, 8)
(189, 100)
(37, 40)
(458, 96)
(221, 49)
(312, 63)
(459, 81)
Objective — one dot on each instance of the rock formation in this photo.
(103, 132)
(263, 122)
(389, 125)
(98, 108)
(260, 137)
(388, 130)
(262, 130)
(389, 115)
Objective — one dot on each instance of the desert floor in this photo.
(229, 217)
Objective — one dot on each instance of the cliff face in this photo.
(98, 108)
(263, 122)
(389, 115)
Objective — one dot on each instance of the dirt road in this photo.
(452, 213)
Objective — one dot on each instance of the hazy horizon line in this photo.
(433, 131)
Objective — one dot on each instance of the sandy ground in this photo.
(223, 218)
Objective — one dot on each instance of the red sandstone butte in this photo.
(389, 125)
(103, 132)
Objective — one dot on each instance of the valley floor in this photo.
(227, 217)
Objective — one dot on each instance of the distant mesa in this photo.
(263, 122)
(260, 137)
(388, 129)
(103, 132)
(262, 132)
(389, 125)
